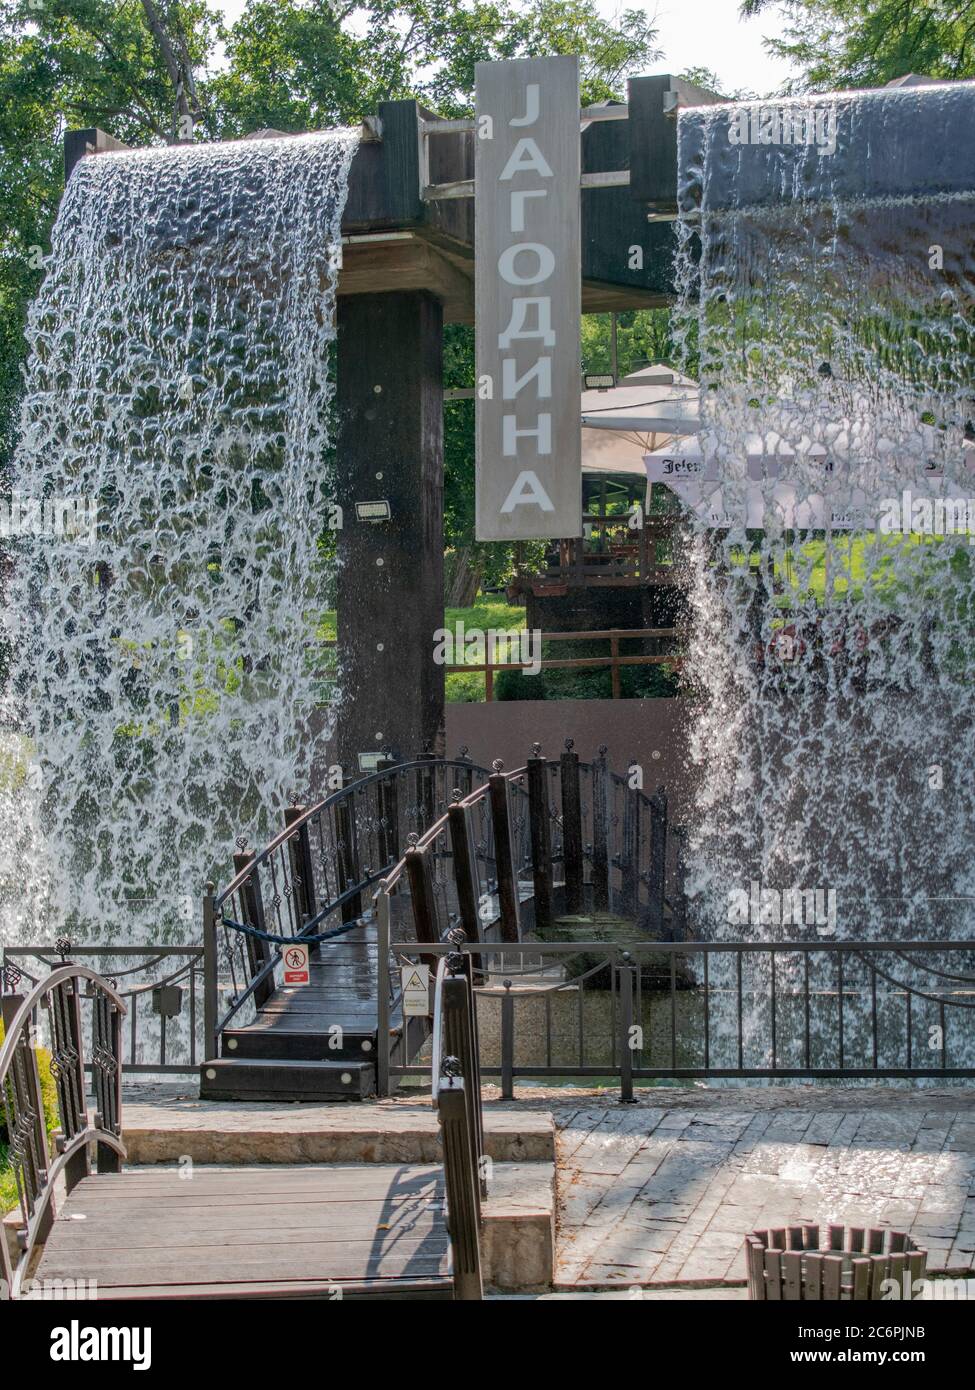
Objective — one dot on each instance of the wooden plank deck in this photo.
(229, 1231)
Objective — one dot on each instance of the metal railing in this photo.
(155, 982)
(829, 1010)
(29, 1152)
(309, 882)
(456, 1093)
(552, 838)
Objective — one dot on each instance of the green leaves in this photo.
(867, 43)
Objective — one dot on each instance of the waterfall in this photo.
(165, 602)
(832, 618)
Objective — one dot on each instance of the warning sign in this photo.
(416, 991)
(296, 970)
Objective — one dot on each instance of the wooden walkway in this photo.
(328, 1231)
(290, 1051)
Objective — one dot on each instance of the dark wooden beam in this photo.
(390, 581)
(79, 143)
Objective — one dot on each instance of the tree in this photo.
(78, 63)
(143, 71)
(294, 66)
(866, 43)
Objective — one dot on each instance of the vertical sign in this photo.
(528, 299)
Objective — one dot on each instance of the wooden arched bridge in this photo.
(553, 850)
(552, 893)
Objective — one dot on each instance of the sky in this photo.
(692, 33)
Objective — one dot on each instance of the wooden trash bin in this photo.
(789, 1264)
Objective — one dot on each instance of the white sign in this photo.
(528, 299)
(296, 970)
(416, 991)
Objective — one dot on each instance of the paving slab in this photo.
(654, 1197)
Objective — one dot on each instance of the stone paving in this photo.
(658, 1194)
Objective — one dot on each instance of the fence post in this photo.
(461, 1183)
(258, 950)
(507, 1043)
(465, 875)
(459, 1041)
(600, 817)
(541, 837)
(299, 854)
(679, 905)
(503, 857)
(347, 856)
(386, 804)
(572, 867)
(71, 1082)
(209, 973)
(383, 995)
(626, 979)
(657, 877)
(107, 1041)
(630, 857)
(424, 906)
(467, 775)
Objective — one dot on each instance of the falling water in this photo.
(831, 658)
(164, 678)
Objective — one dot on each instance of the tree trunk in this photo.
(463, 576)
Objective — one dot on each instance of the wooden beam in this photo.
(403, 262)
(390, 580)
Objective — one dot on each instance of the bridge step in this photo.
(254, 1078)
(297, 1044)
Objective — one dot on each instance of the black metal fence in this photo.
(829, 1010)
(161, 986)
(39, 1164)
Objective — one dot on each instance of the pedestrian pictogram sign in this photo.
(416, 991)
(296, 970)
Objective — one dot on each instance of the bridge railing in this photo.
(456, 1093)
(37, 1162)
(309, 882)
(161, 987)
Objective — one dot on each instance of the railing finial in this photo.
(570, 743)
(63, 946)
(241, 842)
(412, 839)
(456, 794)
(451, 1067)
(498, 765)
(536, 750)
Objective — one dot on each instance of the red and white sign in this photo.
(296, 970)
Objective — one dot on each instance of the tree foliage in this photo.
(162, 71)
(839, 44)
